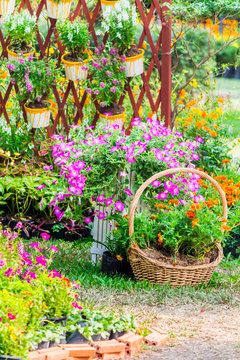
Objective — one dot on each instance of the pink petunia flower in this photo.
(87, 220)
(45, 236)
(119, 206)
(54, 248)
(128, 192)
(101, 215)
(11, 316)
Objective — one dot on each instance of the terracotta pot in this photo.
(75, 70)
(12, 56)
(6, 7)
(56, 10)
(113, 119)
(38, 118)
(107, 7)
(134, 65)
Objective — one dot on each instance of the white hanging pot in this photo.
(38, 118)
(59, 9)
(7, 7)
(75, 70)
(134, 64)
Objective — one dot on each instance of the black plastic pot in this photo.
(111, 265)
(43, 345)
(76, 337)
(53, 343)
(59, 320)
(116, 334)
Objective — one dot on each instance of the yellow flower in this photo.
(119, 257)
(182, 94)
(219, 110)
(194, 83)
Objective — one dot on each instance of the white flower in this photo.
(119, 35)
(98, 32)
(125, 16)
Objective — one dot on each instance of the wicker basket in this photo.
(154, 271)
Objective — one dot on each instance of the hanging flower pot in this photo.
(6, 7)
(107, 7)
(113, 119)
(75, 70)
(38, 118)
(59, 9)
(13, 56)
(134, 64)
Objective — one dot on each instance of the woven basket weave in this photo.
(154, 271)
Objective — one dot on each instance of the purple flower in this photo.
(102, 85)
(113, 89)
(123, 173)
(122, 68)
(194, 156)
(41, 187)
(159, 155)
(162, 196)
(87, 220)
(169, 146)
(128, 192)
(8, 272)
(115, 81)
(36, 245)
(101, 198)
(45, 236)
(109, 201)
(107, 113)
(147, 136)
(76, 306)
(96, 92)
(115, 148)
(41, 260)
(11, 67)
(101, 215)
(156, 183)
(54, 248)
(48, 168)
(199, 139)
(119, 206)
(108, 73)
(19, 225)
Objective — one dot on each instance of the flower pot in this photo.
(58, 320)
(56, 10)
(134, 65)
(75, 70)
(12, 56)
(113, 119)
(76, 337)
(38, 118)
(107, 7)
(43, 345)
(116, 334)
(8, 357)
(6, 7)
(111, 265)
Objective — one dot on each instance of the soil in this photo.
(37, 105)
(74, 59)
(134, 51)
(26, 50)
(114, 109)
(182, 260)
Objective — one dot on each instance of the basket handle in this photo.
(167, 172)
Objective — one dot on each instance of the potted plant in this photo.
(21, 27)
(107, 7)
(58, 8)
(107, 84)
(180, 245)
(121, 26)
(34, 79)
(7, 7)
(75, 36)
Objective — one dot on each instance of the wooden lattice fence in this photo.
(160, 62)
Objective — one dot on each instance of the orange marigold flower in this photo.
(200, 124)
(119, 257)
(134, 245)
(225, 227)
(161, 206)
(213, 133)
(225, 161)
(190, 214)
(173, 201)
(203, 115)
(220, 100)
(153, 217)
(194, 222)
(195, 207)
(160, 239)
(125, 216)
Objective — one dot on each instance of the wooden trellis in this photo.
(160, 60)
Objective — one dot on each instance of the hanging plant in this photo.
(58, 8)
(75, 36)
(21, 27)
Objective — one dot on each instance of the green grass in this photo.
(229, 87)
(232, 122)
(74, 261)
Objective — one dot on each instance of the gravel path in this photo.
(197, 334)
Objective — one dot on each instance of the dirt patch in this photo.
(134, 51)
(196, 333)
(181, 260)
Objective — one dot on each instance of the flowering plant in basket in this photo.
(108, 79)
(22, 29)
(121, 25)
(34, 79)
